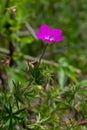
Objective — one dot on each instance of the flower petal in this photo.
(58, 39)
(56, 32)
(40, 36)
(45, 29)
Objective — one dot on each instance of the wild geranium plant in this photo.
(49, 36)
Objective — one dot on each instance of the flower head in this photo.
(48, 35)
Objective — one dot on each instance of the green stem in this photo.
(42, 54)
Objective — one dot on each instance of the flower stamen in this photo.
(49, 38)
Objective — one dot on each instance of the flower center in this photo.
(49, 38)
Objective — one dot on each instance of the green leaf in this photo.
(26, 40)
(83, 83)
(19, 111)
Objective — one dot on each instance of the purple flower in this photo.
(48, 35)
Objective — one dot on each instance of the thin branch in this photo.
(34, 59)
(31, 30)
(27, 57)
(23, 33)
(82, 122)
(2, 50)
(26, 33)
